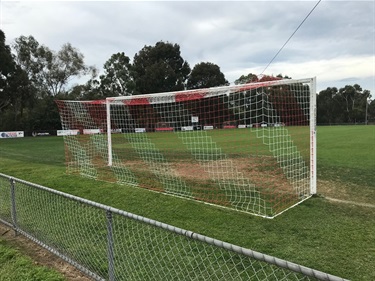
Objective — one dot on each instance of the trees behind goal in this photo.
(249, 147)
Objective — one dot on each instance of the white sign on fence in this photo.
(67, 132)
(140, 130)
(208, 127)
(91, 131)
(13, 134)
(194, 119)
(187, 128)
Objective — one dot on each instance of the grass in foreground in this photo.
(331, 237)
(15, 266)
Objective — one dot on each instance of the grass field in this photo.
(15, 266)
(331, 236)
(259, 170)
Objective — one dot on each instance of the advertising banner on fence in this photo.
(208, 127)
(38, 134)
(67, 132)
(140, 130)
(187, 128)
(14, 134)
(91, 131)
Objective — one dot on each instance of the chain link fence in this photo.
(109, 244)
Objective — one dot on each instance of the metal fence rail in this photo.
(110, 244)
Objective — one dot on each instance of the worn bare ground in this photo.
(259, 171)
(39, 255)
(346, 193)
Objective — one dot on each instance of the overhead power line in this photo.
(291, 36)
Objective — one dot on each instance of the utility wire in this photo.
(291, 36)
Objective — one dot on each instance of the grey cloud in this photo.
(239, 36)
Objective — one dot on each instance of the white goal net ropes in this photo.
(249, 147)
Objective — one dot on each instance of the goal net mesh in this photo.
(245, 147)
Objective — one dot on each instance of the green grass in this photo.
(16, 266)
(347, 154)
(231, 142)
(249, 152)
(332, 237)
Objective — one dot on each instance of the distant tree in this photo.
(283, 77)
(206, 75)
(88, 91)
(117, 79)
(346, 105)
(67, 63)
(44, 115)
(16, 91)
(354, 101)
(265, 78)
(27, 55)
(43, 76)
(77, 92)
(249, 78)
(371, 111)
(252, 78)
(159, 68)
(348, 94)
(7, 70)
(49, 71)
(329, 107)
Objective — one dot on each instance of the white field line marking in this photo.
(351, 202)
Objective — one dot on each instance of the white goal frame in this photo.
(229, 89)
(242, 162)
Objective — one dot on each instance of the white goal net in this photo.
(249, 147)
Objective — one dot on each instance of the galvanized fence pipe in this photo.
(112, 267)
(111, 264)
(13, 204)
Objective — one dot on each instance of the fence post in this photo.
(13, 203)
(111, 264)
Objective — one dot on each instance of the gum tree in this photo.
(159, 68)
(206, 75)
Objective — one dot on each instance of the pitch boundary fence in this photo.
(106, 243)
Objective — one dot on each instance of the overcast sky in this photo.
(336, 43)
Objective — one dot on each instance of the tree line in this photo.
(32, 77)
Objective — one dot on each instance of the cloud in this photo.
(335, 43)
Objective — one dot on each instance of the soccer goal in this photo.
(249, 147)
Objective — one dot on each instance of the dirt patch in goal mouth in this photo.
(254, 170)
(261, 172)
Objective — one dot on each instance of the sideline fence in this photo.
(110, 244)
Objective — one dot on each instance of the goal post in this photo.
(313, 151)
(109, 131)
(249, 147)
